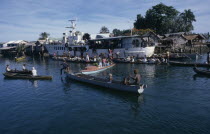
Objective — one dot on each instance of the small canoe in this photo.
(116, 85)
(26, 76)
(201, 72)
(95, 69)
(185, 64)
(136, 62)
(20, 58)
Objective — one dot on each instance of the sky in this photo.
(26, 19)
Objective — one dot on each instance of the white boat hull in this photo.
(137, 52)
(97, 71)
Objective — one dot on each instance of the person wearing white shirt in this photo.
(87, 57)
(8, 68)
(34, 72)
(24, 67)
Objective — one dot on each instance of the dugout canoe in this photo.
(115, 85)
(137, 62)
(20, 58)
(186, 64)
(26, 76)
(201, 72)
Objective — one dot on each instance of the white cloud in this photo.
(26, 19)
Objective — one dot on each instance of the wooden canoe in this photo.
(20, 58)
(136, 62)
(26, 76)
(201, 72)
(95, 69)
(185, 64)
(116, 85)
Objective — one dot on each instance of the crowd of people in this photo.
(152, 59)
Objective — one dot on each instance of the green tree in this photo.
(116, 32)
(140, 22)
(159, 17)
(104, 30)
(165, 19)
(86, 36)
(44, 36)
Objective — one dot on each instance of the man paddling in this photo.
(136, 78)
(65, 66)
(24, 67)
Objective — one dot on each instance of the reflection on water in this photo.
(34, 83)
(173, 101)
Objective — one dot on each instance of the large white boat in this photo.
(121, 46)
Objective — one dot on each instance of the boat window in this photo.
(135, 43)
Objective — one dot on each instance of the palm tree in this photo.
(188, 17)
(104, 30)
(44, 36)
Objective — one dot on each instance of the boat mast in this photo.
(72, 27)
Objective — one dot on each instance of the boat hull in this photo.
(20, 58)
(26, 76)
(106, 84)
(185, 64)
(201, 72)
(96, 71)
(124, 52)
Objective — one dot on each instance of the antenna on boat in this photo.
(73, 25)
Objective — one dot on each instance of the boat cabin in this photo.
(118, 42)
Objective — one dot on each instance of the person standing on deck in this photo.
(65, 66)
(99, 62)
(87, 58)
(54, 55)
(136, 78)
(69, 54)
(104, 61)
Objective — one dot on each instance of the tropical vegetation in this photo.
(104, 30)
(166, 19)
(44, 36)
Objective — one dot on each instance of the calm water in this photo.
(174, 102)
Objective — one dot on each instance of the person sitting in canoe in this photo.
(8, 68)
(136, 77)
(110, 78)
(126, 80)
(65, 66)
(34, 72)
(24, 67)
